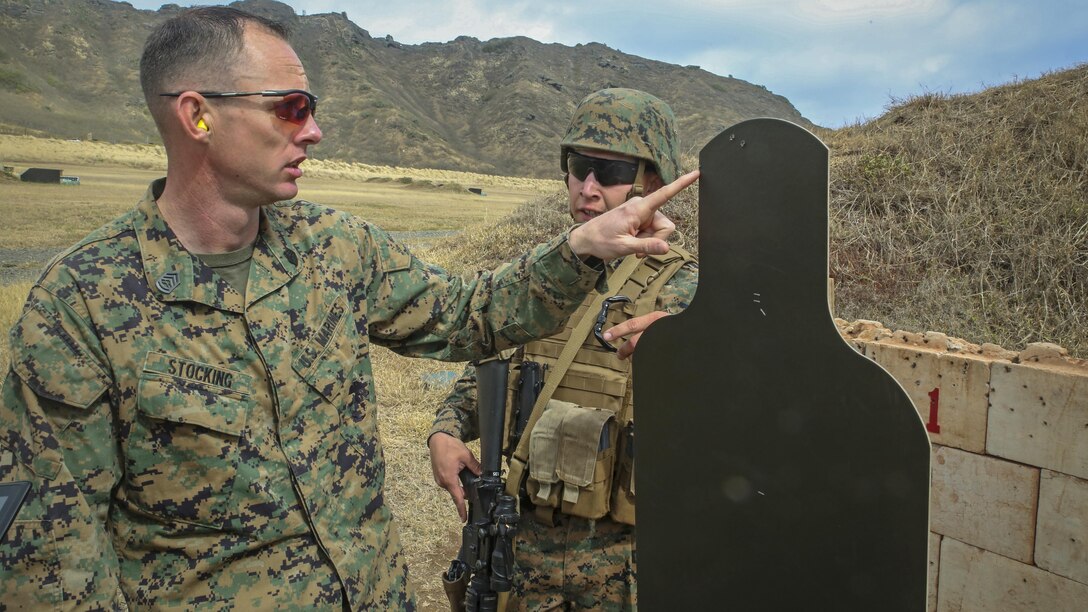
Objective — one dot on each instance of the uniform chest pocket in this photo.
(331, 359)
(184, 447)
(324, 358)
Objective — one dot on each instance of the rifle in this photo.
(530, 382)
(487, 539)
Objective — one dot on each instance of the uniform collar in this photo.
(175, 275)
(275, 261)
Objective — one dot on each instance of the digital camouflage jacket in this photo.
(189, 446)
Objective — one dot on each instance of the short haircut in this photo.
(208, 38)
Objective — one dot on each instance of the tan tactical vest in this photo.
(579, 444)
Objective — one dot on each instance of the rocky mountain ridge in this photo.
(70, 68)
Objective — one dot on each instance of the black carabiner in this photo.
(603, 316)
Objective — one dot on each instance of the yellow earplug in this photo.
(200, 124)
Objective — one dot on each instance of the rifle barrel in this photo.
(491, 386)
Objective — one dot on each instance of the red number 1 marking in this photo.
(934, 401)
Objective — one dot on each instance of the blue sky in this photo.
(838, 61)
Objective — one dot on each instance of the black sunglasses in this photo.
(608, 172)
(297, 105)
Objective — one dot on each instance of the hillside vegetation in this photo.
(969, 214)
(962, 214)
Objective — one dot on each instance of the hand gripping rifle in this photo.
(487, 553)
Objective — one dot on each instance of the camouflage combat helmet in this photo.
(628, 122)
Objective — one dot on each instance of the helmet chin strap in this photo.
(637, 187)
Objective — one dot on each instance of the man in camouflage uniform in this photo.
(190, 394)
(619, 141)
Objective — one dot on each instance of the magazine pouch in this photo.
(571, 459)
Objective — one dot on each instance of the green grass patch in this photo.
(14, 81)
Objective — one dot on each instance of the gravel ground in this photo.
(22, 265)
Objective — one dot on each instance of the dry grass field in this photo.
(40, 220)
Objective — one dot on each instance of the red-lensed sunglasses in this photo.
(297, 105)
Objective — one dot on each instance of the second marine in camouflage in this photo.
(575, 547)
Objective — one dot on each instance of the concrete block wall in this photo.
(1009, 488)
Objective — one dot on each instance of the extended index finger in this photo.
(664, 194)
(634, 325)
